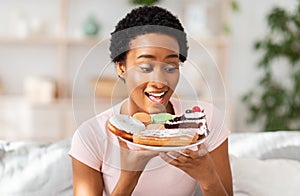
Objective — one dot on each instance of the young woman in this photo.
(147, 47)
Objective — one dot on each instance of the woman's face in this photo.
(151, 72)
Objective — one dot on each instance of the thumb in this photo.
(202, 150)
(122, 143)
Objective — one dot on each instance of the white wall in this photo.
(248, 25)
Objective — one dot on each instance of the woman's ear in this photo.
(121, 69)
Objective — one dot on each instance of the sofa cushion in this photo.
(266, 145)
(274, 177)
(33, 168)
(37, 168)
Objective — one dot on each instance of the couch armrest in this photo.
(266, 145)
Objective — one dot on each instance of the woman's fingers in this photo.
(134, 159)
(167, 158)
(175, 158)
(122, 143)
(185, 156)
(202, 151)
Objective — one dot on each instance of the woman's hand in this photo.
(132, 165)
(132, 159)
(197, 164)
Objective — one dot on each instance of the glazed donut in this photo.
(124, 126)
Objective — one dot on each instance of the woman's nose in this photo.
(158, 79)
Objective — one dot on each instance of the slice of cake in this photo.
(192, 119)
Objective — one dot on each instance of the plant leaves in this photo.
(276, 104)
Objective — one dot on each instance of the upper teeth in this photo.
(157, 94)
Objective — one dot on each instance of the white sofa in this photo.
(263, 164)
(266, 163)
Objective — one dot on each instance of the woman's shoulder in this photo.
(97, 123)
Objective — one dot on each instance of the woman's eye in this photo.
(170, 69)
(146, 67)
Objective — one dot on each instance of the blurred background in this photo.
(55, 70)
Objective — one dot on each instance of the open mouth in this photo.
(156, 97)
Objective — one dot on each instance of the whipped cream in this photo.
(167, 133)
(194, 115)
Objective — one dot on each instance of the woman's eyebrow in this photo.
(172, 56)
(148, 56)
(153, 57)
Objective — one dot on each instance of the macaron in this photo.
(143, 117)
(161, 118)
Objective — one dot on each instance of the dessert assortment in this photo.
(162, 129)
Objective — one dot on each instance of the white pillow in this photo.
(35, 169)
(265, 177)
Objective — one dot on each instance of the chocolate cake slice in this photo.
(191, 119)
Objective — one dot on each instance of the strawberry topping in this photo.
(196, 109)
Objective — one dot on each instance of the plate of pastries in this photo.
(161, 131)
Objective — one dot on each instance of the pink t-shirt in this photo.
(94, 145)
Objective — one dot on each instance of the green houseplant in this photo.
(144, 2)
(276, 100)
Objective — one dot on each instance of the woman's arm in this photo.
(126, 183)
(219, 178)
(221, 161)
(86, 180)
(132, 165)
(210, 169)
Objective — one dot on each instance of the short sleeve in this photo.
(86, 147)
(218, 129)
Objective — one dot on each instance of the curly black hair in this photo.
(143, 20)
